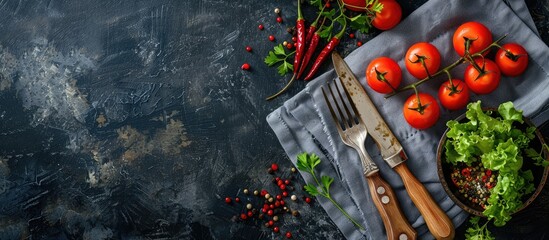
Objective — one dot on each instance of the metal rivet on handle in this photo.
(385, 199)
(380, 190)
(403, 237)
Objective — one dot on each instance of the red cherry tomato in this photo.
(513, 62)
(480, 37)
(483, 83)
(355, 5)
(383, 68)
(421, 117)
(389, 16)
(430, 55)
(453, 97)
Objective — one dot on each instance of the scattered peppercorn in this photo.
(271, 38)
(290, 46)
(293, 197)
(359, 43)
(245, 66)
(249, 206)
(295, 213)
(288, 235)
(237, 199)
(275, 218)
(250, 213)
(287, 182)
(248, 48)
(243, 216)
(256, 192)
(294, 170)
(274, 166)
(285, 194)
(308, 200)
(282, 186)
(246, 191)
(276, 229)
(271, 223)
(228, 200)
(277, 10)
(270, 212)
(279, 19)
(261, 27)
(294, 39)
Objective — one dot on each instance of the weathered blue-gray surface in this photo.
(132, 119)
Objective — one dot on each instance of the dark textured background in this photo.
(132, 119)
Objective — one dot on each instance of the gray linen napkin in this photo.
(303, 123)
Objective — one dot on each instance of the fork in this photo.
(353, 133)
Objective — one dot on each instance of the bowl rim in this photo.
(464, 206)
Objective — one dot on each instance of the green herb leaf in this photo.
(326, 182)
(272, 59)
(279, 55)
(538, 158)
(307, 162)
(318, 3)
(477, 232)
(311, 189)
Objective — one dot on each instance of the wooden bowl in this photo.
(445, 170)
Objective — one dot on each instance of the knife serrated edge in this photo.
(391, 149)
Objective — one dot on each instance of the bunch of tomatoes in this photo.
(472, 41)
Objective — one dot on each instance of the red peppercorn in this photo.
(266, 206)
(488, 172)
(243, 216)
(245, 66)
(237, 199)
(466, 172)
(263, 193)
(294, 39)
(284, 194)
(290, 46)
(261, 27)
(282, 203)
(248, 48)
(270, 212)
(279, 20)
(277, 204)
(308, 200)
(287, 182)
(250, 213)
(228, 200)
(278, 197)
(272, 206)
(274, 166)
(328, 5)
(351, 35)
(276, 229)
(271, 38)
(279, 182)
(277, 179)
(282, 186)
(288, 235)
(359, 43)
(270, 223)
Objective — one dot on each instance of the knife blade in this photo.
(440, 226)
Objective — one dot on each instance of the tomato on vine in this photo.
(512, 59)
(383, 75)
(485, 79)
(421, 111)
(476, 34)
(389, 16)
(454, 95)
(422, 60)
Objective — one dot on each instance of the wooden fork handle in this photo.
(440, 226)
(396, 224)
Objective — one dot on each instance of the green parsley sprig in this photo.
(478, 232)
(307, 163)
(538, 157)
(279, 55)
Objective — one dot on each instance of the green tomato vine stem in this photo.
(466, 58)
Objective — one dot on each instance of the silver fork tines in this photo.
(350, 127)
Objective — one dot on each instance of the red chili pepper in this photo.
(300, 44)
(322, 56)
(309, 54)
(466, 172)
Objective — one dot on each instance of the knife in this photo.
(440, 226)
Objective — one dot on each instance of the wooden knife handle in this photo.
(396, 224)
(440, 226)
